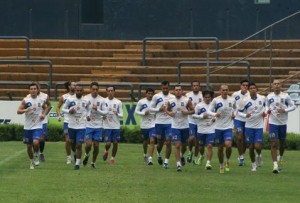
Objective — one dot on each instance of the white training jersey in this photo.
(195, 99)
(146, 121)
(274, 102)
(179, 120)
(32, 117)
(77, 120)
(44, 97)
(204, 125)
(226, 107)
(240, 102)
(65, 97)
(112, 120)
(255, 107)
(158, 100)
(96, 116)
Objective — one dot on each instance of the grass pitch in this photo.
(130, 180)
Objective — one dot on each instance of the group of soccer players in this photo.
(84, 119)
(198, 119)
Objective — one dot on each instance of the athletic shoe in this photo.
(150, 163)
(105, 155)
(280, 165)
(112, 161)
(182, 160)
(145, 159)
(31, 165)
(227, 166)
(85, 160)
(93, 165)
(208, 166)
(275, 169)
(42, 157)
(69, 160)
(179, 168)
(166, 165)
(200, 160)
(259, 161)
(189, 157)
(253, 167)
(159, 160)
(36, 162)
(241, 162)
(222, 170)
(76, 167)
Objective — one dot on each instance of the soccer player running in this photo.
(163, 122)
(111, 123)
(179, 108)
(196, 97)
(77, 108)
(35, 111)
(205, 125)
(253, 111)
(70, 87)
(239, 121)
(147, 125)
(223, 108)
(93, 133)
(278, 106)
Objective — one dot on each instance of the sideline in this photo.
(18, 153)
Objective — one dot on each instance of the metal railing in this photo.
(207, 63)
(131, 92)
(20, 37)
(144, 63)
(33, 62)
(23, 83)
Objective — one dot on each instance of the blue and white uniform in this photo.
(239, 121)
(195, 99)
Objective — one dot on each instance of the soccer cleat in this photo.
(182, 160)
(31, 165)
(42, 157)
(159, 160)
(105, 155)
(227, 166)
(150, 163)
(179, 168)
(112, 161)
(253, 167)
(93, 165)
(69, 160)
(189, 157)
(222, 170)
(259, 161)
(76, 167)
(275, 169)
(241, 162)
(145, 159)
(85, 160)
(280, 165)
(166, 165)
(208, 166)
(36, 162)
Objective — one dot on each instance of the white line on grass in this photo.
(18, 153)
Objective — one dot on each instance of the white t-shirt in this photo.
(65, 97)
(240, 102)
(96, 116)
(195, 99)
(32, 117)
(204, 125)
(147, 121)
(158, 100)
(180, 120)
(111, 121)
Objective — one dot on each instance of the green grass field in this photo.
(130, 180)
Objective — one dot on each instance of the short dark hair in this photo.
(177, 85)
(94, 83)
(205, 92)
(149, 89)
(33, 84)
(195, 81)
(252, 84)
(165, 82)
(245, 80)
(110, 86)
(67, 84)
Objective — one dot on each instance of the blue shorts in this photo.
(30, 135)
(239, 127)
(148, 133)
(205, 139)
(112, 135)
(77, 135)
(180, 135)
(277, 132)
(66, 129)
(94, 134)
(163, 130)
(221, 136)
(254, 135)
(45, 129)
(193, 129)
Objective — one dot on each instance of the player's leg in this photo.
(168, 134)
(79, 141)
(240, 140)
(107, 140)
(160, 142)
(152, 136)
(42, 143)
(273, 135)
(228, 146)
(36, 135)
(145, 137)
(209, 145)
(27, 139)
(219, 140)
(115, 139)
(191, 142)
(282, 138)
(88, 138)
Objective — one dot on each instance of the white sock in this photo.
(275, 163)
(208, 161)
(242, 156)
(158, 154)
(145, 155)
(112, 158)
(166, 160)
(77, 162)
(150, 158)
(178, 163)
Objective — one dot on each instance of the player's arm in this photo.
(137, 110)
(119, 112)
(59, 104)
(169, 110)
(22, 109)
(190, 108)
(291, 106)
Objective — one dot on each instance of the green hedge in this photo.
(13, 132)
